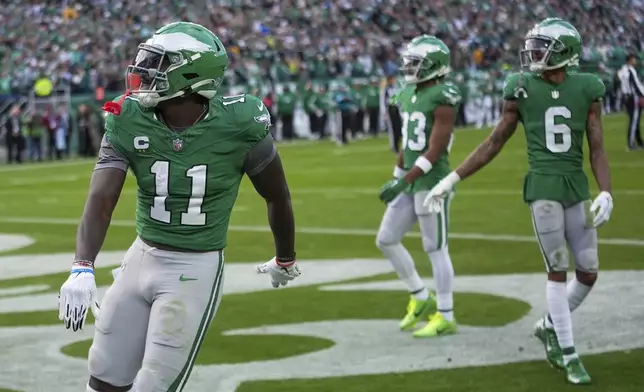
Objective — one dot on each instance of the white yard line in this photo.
(331, 231)
(44, 166)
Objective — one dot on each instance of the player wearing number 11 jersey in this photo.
(428, 107)
(188, 151)
(557, 108)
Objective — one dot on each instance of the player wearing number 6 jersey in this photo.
(428, 108)
(557, 109)
(188, 151)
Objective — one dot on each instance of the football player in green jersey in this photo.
(557, 108)
(428, 108)
(188, 151)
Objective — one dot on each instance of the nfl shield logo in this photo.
(555, 94)
(177, 144)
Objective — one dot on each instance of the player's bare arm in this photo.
(595, 135)
(78, 294)
(104, 191)
(399, 159)
(491, 147)
(444, 119)
(399, 168)
(271, 184)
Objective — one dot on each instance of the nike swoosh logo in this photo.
(183, 279)
(260, 106)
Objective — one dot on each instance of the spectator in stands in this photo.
(89, 135)
(86, 46)
(34, 132)
(269, 102)
(286, 102)
(50, 122)
(372, 104)
(62, 134)
(14, 139)
(348, 108)
(89, 43)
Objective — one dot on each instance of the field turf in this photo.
(337, 331)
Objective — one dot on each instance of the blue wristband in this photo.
(80, 270)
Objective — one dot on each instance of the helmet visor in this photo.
(413, 65)
(537, 52)
(148, 73)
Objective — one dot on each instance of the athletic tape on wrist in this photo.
(399, 172)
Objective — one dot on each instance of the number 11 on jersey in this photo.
(193, 216)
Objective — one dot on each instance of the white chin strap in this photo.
(440, 72)
(151, 99)
(540, 67)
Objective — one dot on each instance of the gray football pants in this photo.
(562, 230)
(403, 213)
(154, 318)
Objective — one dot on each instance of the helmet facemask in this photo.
(147, 79)
(417, 69)
(542, 53)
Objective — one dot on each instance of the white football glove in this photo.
(281, 273)
(77, 295)
(399, 172)
(601, 208)
(435, 199)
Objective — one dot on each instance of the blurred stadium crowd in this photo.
(85, 45)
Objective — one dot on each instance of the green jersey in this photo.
(417, 112)
(372, 96)
(188, 181)
(286, 102)
(554, 118)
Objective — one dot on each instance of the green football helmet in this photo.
(551, 44)
(179, 59)
(425, 58)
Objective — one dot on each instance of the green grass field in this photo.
(337, 330)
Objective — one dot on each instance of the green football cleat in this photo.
(437, 326)
(548, 338)
(417, 310)
(576, 373)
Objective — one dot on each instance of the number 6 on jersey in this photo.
(558, 137)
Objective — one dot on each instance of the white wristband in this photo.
(452, 178)
(424, 164)
(399, 172)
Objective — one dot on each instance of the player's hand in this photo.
(640, 101)
(392, 189)
(601, 208)
(281, 273)
(434, 200)
(77, 295)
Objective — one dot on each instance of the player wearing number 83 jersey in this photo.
(188, 150)
(557, 108)
(428, 107)
(417, 112)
